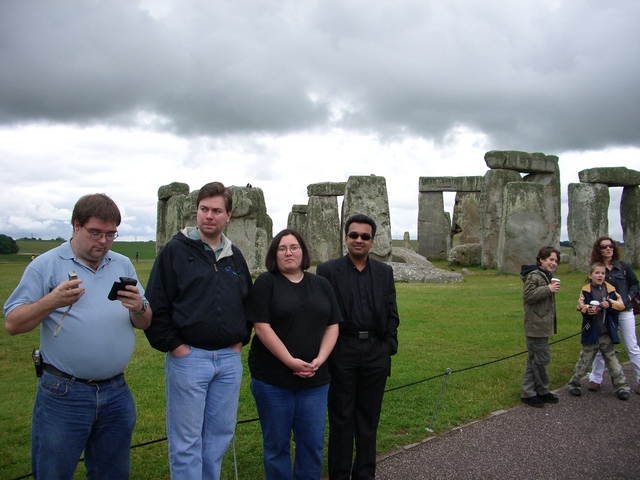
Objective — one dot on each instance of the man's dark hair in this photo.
(360, 218)
(216, 189)
(271, 262)
(96, 205)
(545, 252)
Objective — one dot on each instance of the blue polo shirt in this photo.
(97, 339)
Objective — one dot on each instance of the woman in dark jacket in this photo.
(624, 280)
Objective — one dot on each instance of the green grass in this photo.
(467, 327)
(145, 250)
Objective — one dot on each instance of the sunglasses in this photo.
(363, 236)
(604, 247)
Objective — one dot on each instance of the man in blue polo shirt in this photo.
(83, 402)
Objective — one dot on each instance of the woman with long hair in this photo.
(621, 276)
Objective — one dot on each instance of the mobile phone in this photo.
(73, 276)
(113, 294)
(37, 362)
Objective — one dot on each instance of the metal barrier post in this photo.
(447, 372)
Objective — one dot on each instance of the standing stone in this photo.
(552, 198)
(586, 221)
(406, 241)
(525, 226)
(297, 219)
(168, 212)
(323, 229)
(491, 212)
(466, 227)
(630, 219)
(368, 195)
(434, 226)
(250, 228)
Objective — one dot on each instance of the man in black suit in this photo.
(361, 360)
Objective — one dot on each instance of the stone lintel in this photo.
(450, 184)
(326, 189)
(299, 208)
(610, 176)
(176, 188)
(521, 161)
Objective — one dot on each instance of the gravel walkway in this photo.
(588, 437)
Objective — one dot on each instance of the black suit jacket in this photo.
(384, 295)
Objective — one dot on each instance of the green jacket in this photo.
(539, 303)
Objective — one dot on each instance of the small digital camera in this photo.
(124, 281)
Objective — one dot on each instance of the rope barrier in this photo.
(446, 373)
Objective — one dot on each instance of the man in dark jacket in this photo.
(197, 289)
(361, 360)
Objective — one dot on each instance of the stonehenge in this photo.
(500, 219)
(503, 217)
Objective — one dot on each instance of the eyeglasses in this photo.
(96, 235)
(292, 249)
(364, 236)
(608, 245)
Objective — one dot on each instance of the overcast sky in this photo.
(124, 96)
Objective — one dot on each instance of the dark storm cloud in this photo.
(534, 76)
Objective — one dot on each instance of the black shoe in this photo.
(575, 391)
(623, 395)
(548, 398)
(533, 401)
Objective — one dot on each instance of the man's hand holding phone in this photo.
(120, 285)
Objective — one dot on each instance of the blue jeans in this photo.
(202, 403)
(69, 417)
(282, 410)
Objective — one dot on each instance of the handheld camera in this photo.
(124, 281)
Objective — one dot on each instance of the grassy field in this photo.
(145, 250)
(473, 328)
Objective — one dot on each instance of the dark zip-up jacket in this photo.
(197, 300)
(589, 325)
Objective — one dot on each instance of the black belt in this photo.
(359, 334)
(59, 373)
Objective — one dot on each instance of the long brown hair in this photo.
(596, 253)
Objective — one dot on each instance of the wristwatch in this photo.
(145, 304)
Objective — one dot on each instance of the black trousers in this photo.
(359, 371)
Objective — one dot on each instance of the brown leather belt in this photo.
(59, 373)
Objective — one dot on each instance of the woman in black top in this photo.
(295, 315)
